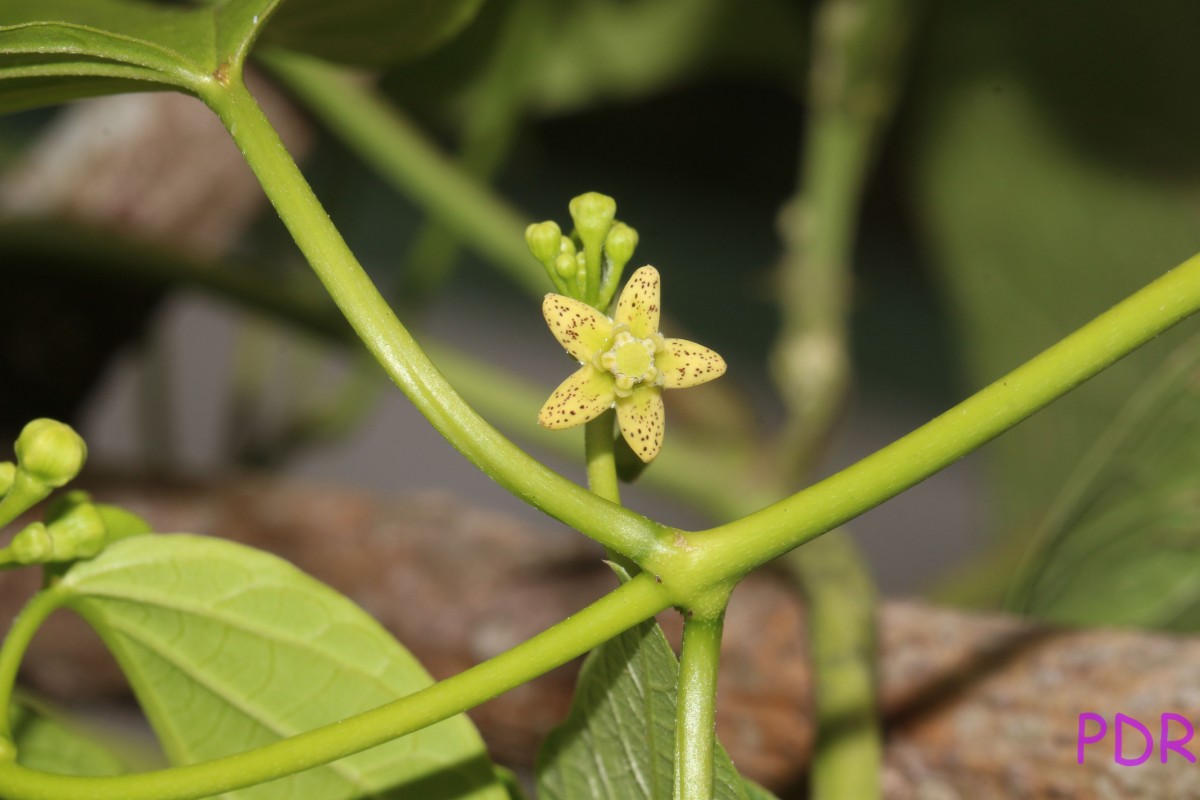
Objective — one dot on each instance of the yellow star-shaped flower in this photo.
(625, 361)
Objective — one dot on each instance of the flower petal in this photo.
(688, 364)
(580, 329)
(639, 304)
(642, 420)
(582, 397)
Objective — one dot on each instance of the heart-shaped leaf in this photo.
(57, 50)
(228, 648)
(619, 740)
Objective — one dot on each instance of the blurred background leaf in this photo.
(1050, 151)
(1121, 545)
(369, 33)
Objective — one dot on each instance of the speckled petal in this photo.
(582, 397)
(579, 328)
(639, 304)
(688, 364)
(641, 419)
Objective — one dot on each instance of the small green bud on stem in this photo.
(51, 452)
(622, 240)
(593, 214)
(33, 545)
(564, 265)
(76, 531)
(544, 239)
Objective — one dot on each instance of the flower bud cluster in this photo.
(49, 455)
(588, 264)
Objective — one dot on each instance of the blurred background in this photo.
(1027, 165)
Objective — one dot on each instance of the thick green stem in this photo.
(25, 493)
(631, 603)
(848, 754)
(394, 348)
(16, 642)
(695, 717)
(374, 129)
(852, 87)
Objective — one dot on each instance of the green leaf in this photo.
(57, 50)
(46, 741)
(373, 33)
(1044, 204)
(619, 739)
(1122, 543)
(229, 648)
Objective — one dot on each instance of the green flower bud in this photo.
(544, 240)
(564, 265)
(33, 545)
(567, 246)
(64, 503)
(8, 473)
(618, 247)
(78, 533)
(51, 452)
(593, 215)
(620, 244)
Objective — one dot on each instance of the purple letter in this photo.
(1175, 744)
(1119, 752)
(1083, 738)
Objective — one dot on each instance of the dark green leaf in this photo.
(1122, 543)
(57, 50)
(373, 33)
(619, 740)
(229, 648)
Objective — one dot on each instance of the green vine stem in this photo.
(695, 714)
(631, 603)
(847, 756)
(16, 642)
(393, 347)
(378, 132)
(738, 547)
(852, 87)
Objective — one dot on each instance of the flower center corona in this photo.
(631, 361)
